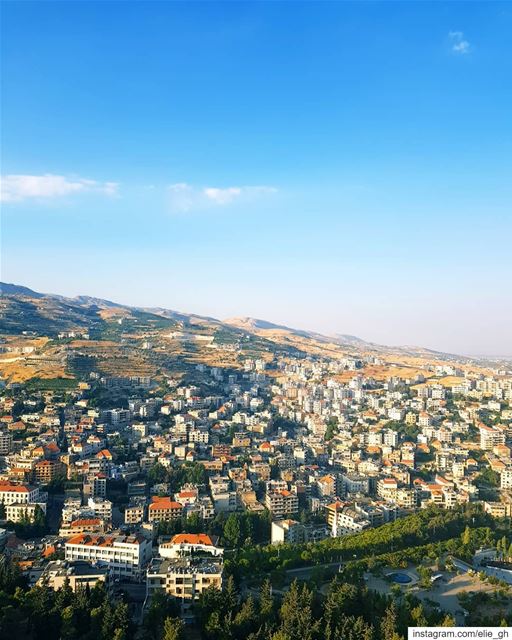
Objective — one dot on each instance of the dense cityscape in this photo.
(255, 320)
(187, 500)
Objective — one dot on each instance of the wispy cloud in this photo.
(185, 197)
(15, 188)
(459, 43)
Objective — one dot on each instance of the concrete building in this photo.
(125, 556)
(281, 503)
(164, 510)
(78, 574)
(184, 578)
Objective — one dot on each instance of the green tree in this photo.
(388, 624)
(173, 629)
(232, 531)
(266, 603)
(296, 613)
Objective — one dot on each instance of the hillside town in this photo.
(149, 485)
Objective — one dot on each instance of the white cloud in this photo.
(185, 197)
(459, 44)
(14, 188)
(222, 196)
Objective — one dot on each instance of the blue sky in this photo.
(344, 167)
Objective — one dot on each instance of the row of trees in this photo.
(422, 528)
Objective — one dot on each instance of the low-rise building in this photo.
(78, 574)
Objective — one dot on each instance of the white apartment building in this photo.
(184, 544)
(101, 508)
(184, 578)
(16, 512)
(344, 519)
(18, 493)
(5, 443)
(490, 438)
(125, 556)
(289, 531)
(506, 478)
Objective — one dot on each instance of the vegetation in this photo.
(426, 527)
(349, 611)
(44, 614)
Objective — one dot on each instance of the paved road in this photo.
(445, 593)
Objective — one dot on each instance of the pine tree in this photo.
(230, 596)
(296, 613)
(266, 601)
(173, 629)
(246, 618)
(232, 531)
(388, 624)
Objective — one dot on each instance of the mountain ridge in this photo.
(255, 326)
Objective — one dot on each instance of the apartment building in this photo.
(490, 437)
(506, 478)
(281, 503)
(184, 578)
(77, 574)
(16, 512)
(185, 544)
(125, 556)
(291, 531)
(164, 509)
(95, 486)
(135, 511)
(344, 519)
(101, 508)
(5, 442)
(47, 470)
(18, 493)
(287, 531)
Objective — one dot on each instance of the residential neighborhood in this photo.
(160, 480)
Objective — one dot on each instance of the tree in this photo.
(246, 618)
(157, 474)
(448, 621)
(296, 613)
(388, 624)
(266, 601)
(230, 596)
(425, 575)
(232, 530)
(161, 608)
(173, 629)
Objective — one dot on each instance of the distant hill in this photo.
(251, 324)
(255, 324)
(17, 290)
(22, 309)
